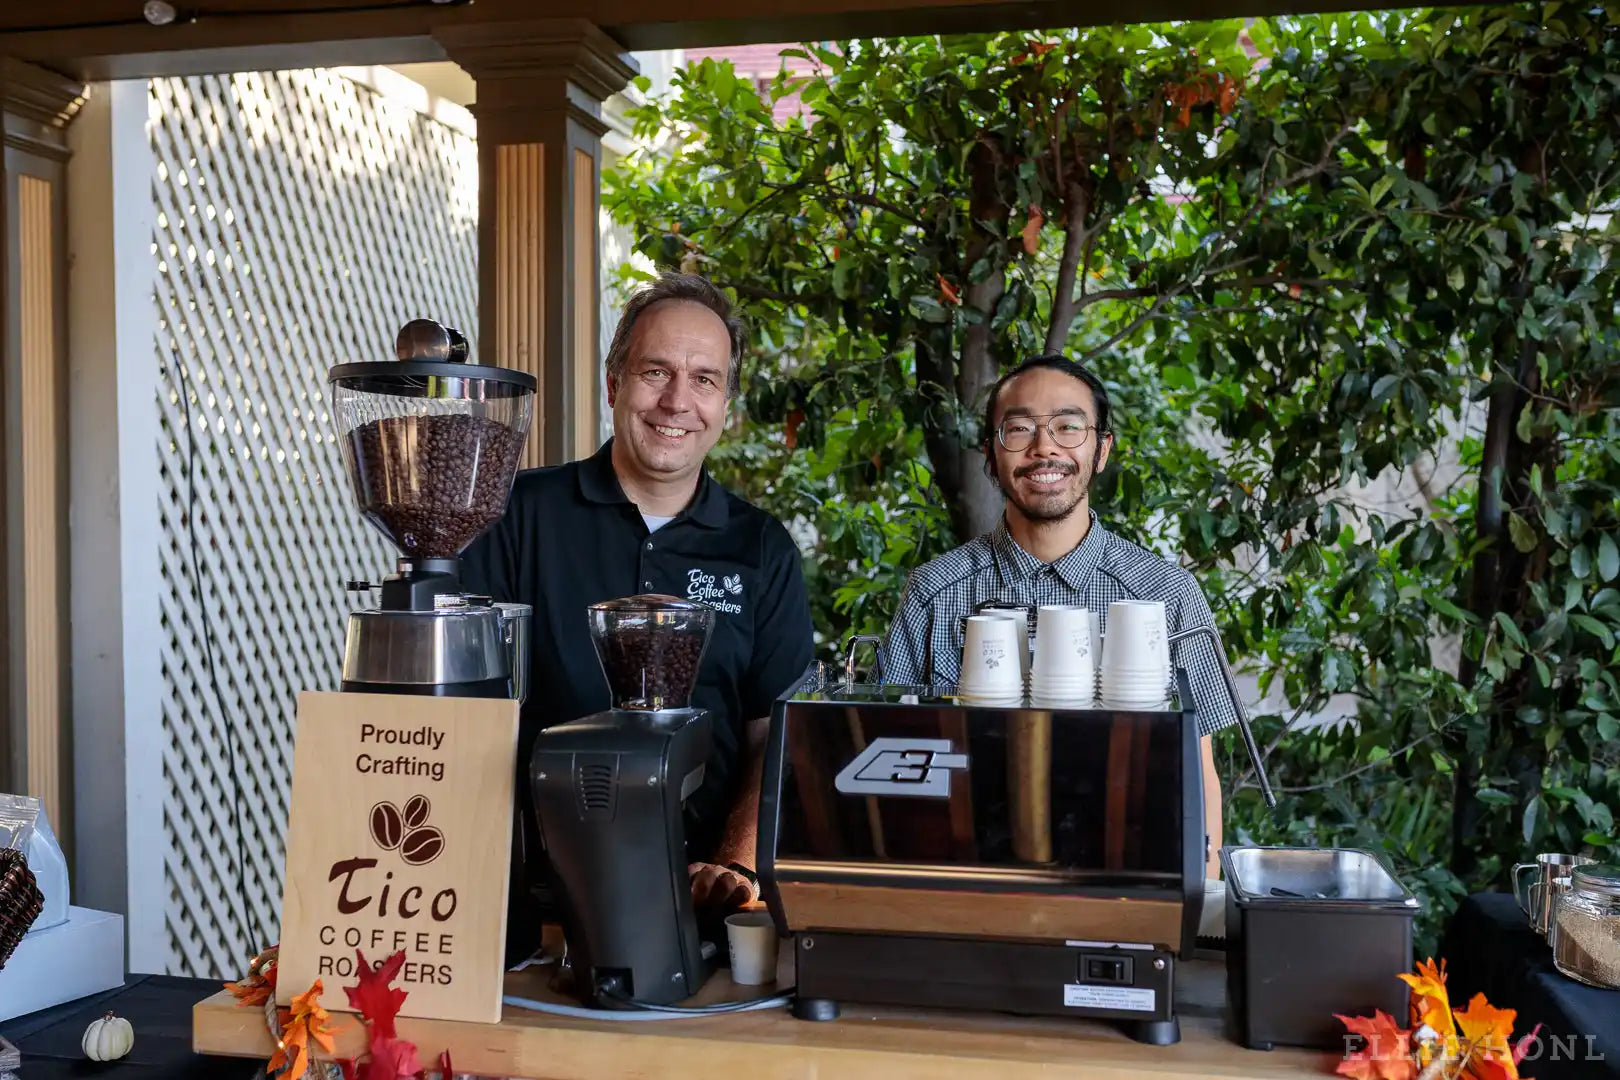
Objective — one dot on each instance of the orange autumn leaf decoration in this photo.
(308, 1022)
(255, 989)
(948, 292)
(1485, 1032)
(1387, 1054)
(1431, 1008)
(1463, 1044)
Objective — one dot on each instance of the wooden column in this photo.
(541, 85)
(35, 751)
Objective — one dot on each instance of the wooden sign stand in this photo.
(400, 837)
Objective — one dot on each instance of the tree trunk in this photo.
(1501, 577)
(978, 497)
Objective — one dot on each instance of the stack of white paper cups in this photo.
(992, 660)
(1135, 656)
(1064, 674)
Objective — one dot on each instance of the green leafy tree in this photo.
(1352, 282)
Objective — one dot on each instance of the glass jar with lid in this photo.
(1586, 938)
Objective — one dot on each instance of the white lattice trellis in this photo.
(302, 219)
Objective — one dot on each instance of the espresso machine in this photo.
(609, 791)
(431, 443)
(924, 850)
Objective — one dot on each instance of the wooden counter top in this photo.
(865, 1042)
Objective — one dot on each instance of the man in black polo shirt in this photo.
(643, 516)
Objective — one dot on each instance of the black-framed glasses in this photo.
(1067, 430)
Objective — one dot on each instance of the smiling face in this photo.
(1043, 481)
(669, 402)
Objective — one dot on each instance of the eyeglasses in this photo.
(1067, 430)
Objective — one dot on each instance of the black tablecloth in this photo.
(1491, 949)
(159, 1009)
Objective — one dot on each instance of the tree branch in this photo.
(1091, 243)
(1076, 240)
(1337, 780)
(756, 292)
(880, 204)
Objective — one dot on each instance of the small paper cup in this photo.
(751, 939)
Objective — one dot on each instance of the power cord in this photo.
(776, 1000)
(641, 1011)
(250, 924)
(611, 986)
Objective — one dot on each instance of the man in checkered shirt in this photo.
(1047, 436)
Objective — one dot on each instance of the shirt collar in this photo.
(1016, 564)
(598, 483)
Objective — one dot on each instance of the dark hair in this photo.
(673, 286)
(1054, 362)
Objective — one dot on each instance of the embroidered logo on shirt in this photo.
(704, 588)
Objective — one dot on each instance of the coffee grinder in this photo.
(431, 443)
(608, 792)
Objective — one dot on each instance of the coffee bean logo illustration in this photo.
(387, 827)
(417, 809)
(418, 842)
(422, 846)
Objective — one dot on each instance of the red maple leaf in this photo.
(373, 998)
(391, 1059)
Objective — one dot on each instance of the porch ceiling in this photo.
(102, 39)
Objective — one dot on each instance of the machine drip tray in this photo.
(1130, 985)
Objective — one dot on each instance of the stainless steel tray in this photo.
(1267, 875)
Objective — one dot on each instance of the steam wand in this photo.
(1237, 704)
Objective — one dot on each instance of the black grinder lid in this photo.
(426, 351)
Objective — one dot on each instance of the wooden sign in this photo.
(400, 837)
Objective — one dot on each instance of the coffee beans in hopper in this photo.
(651, 667)
(435, 482)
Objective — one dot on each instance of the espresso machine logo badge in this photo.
(920, 768)
(407, 830)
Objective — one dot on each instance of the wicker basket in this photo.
(20, 901)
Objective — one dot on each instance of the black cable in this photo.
(250, 927)
(194, 15)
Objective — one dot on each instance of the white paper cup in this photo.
(1136, 641)
(1063, 643)
(1021, 621)
(751, 937)
(991, 658)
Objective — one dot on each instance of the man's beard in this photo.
(1059, 505)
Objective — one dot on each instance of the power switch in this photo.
(1109, 970)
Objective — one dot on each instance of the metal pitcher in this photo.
(1539, 899)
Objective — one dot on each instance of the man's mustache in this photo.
(1065, 467)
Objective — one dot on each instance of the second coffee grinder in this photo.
(609, 791)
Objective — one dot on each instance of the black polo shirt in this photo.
(570, 538)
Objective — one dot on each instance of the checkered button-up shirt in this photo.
(1102, 569)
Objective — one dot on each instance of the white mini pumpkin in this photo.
(108, 1039)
